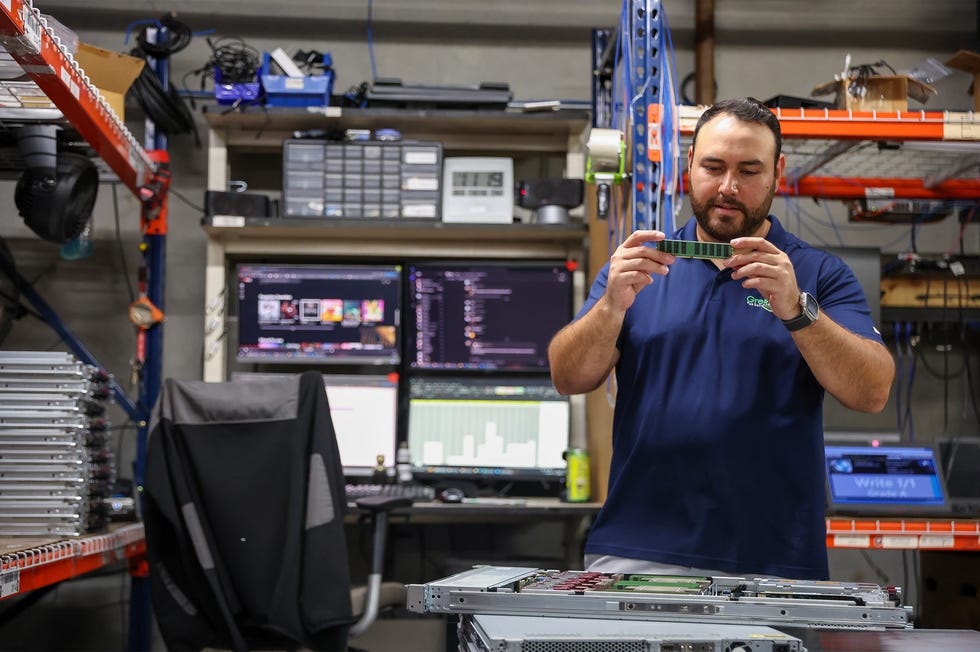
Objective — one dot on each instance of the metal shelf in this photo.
(27, 564)
(903, 533)
(854, 155)
(26, 36)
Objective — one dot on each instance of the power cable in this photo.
(187, 201)
(119, 246)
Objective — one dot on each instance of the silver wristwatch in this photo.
(810, 313)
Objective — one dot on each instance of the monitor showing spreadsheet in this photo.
(487, 427)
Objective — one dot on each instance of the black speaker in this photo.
(244, 204)
(536, 193)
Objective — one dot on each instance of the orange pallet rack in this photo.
(28, 564)
(840, 154)
(26, 36)
(903, 533)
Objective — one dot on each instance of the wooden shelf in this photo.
(311, 236)
(489, 131)
(28, 563)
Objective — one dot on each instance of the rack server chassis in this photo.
(515, 591)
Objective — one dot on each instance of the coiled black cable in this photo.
(164, 107)
(178, 37)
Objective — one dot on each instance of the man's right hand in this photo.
(631, 267)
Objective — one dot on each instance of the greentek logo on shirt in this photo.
(758, 302)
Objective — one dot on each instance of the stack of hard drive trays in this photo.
(56, 464)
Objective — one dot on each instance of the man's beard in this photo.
(727, 227)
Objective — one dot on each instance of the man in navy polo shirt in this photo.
(721, 369)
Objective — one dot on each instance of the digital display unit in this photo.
(887, 479)
(364, 412)
(319, 314)
(500, 316)
(490, 428)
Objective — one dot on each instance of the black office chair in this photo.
(244, 515)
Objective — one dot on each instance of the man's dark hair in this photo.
(746, 109)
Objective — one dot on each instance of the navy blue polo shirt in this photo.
(718, 429)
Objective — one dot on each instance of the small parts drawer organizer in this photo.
(361, 179)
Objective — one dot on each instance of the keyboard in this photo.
(417, 492)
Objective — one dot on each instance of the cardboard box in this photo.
(111, 72)
(880, 92)
(970, 62)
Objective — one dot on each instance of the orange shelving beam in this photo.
(903, 533)
(41, 565)
(840, 125)
(23, 32)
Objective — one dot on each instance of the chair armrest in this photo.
(375, 504)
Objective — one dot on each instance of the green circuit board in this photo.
(693, 249)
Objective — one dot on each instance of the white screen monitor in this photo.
(364, 410)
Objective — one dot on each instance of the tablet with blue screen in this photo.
(890, 480)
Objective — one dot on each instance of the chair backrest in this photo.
(244, 513)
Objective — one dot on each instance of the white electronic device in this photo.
(478, 190)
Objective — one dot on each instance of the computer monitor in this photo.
(898, 480)
(364, 411)
(487, 428)
(319, 314)
(485, 315)
(960, 458)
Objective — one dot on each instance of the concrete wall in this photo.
(541, 47)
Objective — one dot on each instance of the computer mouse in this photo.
(451, 495)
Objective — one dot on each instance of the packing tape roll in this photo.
(605, 147)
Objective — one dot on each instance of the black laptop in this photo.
(960, 458)
(885, 480)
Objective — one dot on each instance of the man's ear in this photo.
(780, 166)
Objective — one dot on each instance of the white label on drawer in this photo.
(9, 583)
(879, 192)
(935, 541)
(905, 541)
(233, 221)
(961, 126)
(419, 210)
(420, 157)
(421, 183)
(851, 541)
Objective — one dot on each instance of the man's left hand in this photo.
(760, 265)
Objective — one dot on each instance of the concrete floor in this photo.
(91, 613)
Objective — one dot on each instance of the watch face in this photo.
(810, 307)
